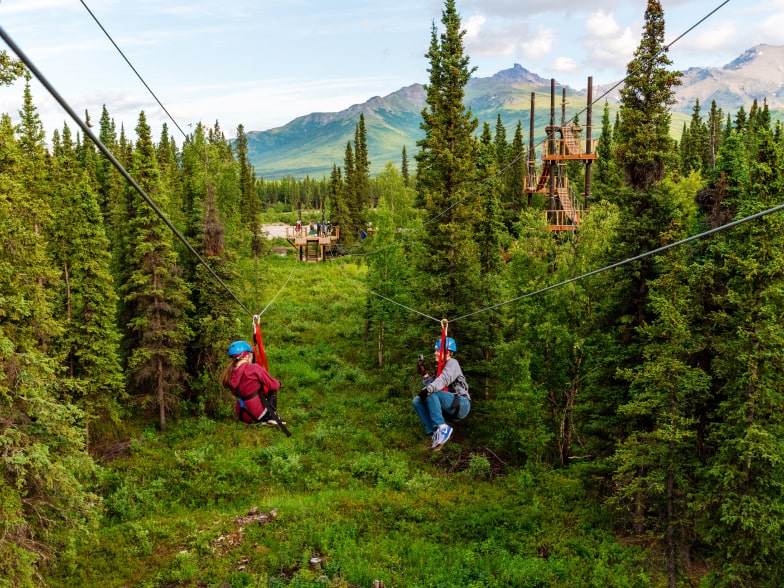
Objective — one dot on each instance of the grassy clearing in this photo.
(356, 485)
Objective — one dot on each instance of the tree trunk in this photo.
(670, 548)
(381, 345)
(161, 395)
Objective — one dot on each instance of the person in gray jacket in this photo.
(445, 396)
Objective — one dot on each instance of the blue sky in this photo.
(262, 63)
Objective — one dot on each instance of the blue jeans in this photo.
(437, 406)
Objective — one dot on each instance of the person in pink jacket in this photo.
(247, 380)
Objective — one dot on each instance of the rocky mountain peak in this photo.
(518, 73)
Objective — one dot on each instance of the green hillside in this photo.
(310, 145)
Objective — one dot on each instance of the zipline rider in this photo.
(247, 380)
(445, 396)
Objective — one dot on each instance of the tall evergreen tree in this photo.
(652, 213)
(644, 147)
(36, 164)
(715, 134)
(491, 237)
(446, 174)
(606, 180)
(209, 188)
(350, 223)
(513, 170)
(154, 292)
(694, 143)
(89, 344)
(250, 205)
(362, 169)
(338, 210)
(389, 273)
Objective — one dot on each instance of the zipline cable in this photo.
(656, 251)
(278, 293)
(369, 291)
(138, 75)
(103, 149)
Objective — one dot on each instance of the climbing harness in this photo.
(442, 349)
(261, 358)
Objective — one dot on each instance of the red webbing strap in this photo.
(442, 349)
(258, 347)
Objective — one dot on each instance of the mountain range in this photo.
(311, 145)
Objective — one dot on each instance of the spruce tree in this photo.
(338, 210)
(350, 225)
(362, 170)
(446, 174)
(644, 147)
(653, 211)
(694, 144)
(389, 273)
(491, 237)
(607, 179)
(155, 295)
(210, 184)
(513, 170)
(250, 205)
(89, 344)
(715, 134)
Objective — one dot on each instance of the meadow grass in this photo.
(356, 485)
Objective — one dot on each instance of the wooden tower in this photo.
(563, 144)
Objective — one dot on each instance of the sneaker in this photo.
(441, 436)
(271, 422)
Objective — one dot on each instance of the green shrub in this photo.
(479, 467)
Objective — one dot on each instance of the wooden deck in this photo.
(312, 246)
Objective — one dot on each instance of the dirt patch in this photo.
(275, 230)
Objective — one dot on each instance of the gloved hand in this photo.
(423, 394)
(422, 369)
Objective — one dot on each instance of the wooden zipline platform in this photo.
(312, 245)
(563, 144)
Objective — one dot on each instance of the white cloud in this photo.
(607, 45)
(539, 44)
(602, 24)
(473, 27)
(566, 65)
(490, 41)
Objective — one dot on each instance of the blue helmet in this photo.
(238, 348)
(450, 345)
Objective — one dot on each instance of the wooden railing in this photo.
(560, 220)
(570, 148)
(303, 232)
